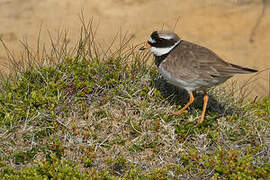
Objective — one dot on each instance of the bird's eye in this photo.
(151, 43)
(165, 39)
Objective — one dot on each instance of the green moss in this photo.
(24, 157)
(107, 120)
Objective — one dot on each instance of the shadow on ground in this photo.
(178, 96)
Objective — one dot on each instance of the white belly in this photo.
(189, 85)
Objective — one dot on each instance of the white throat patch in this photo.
(161, 51)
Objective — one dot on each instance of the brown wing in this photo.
(190, 61)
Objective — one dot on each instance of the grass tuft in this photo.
(103, 114)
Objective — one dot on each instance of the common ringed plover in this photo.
(190, 66)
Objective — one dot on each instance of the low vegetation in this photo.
(106, 117)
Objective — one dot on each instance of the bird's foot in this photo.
(201, 120)
(177, 113)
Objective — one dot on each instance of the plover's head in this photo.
(162, 42)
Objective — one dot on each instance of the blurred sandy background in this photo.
(221, 25)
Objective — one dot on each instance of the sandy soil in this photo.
(223, 26)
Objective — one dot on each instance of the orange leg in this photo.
(205, 101)
(191, 99)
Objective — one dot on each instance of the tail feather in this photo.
(244, 70)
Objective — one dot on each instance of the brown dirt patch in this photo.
(223, 26)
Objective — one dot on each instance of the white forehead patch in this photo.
(151, 40)
(166, 37)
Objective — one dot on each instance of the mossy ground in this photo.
(108, 119)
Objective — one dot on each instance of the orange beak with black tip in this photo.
(146, 47)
